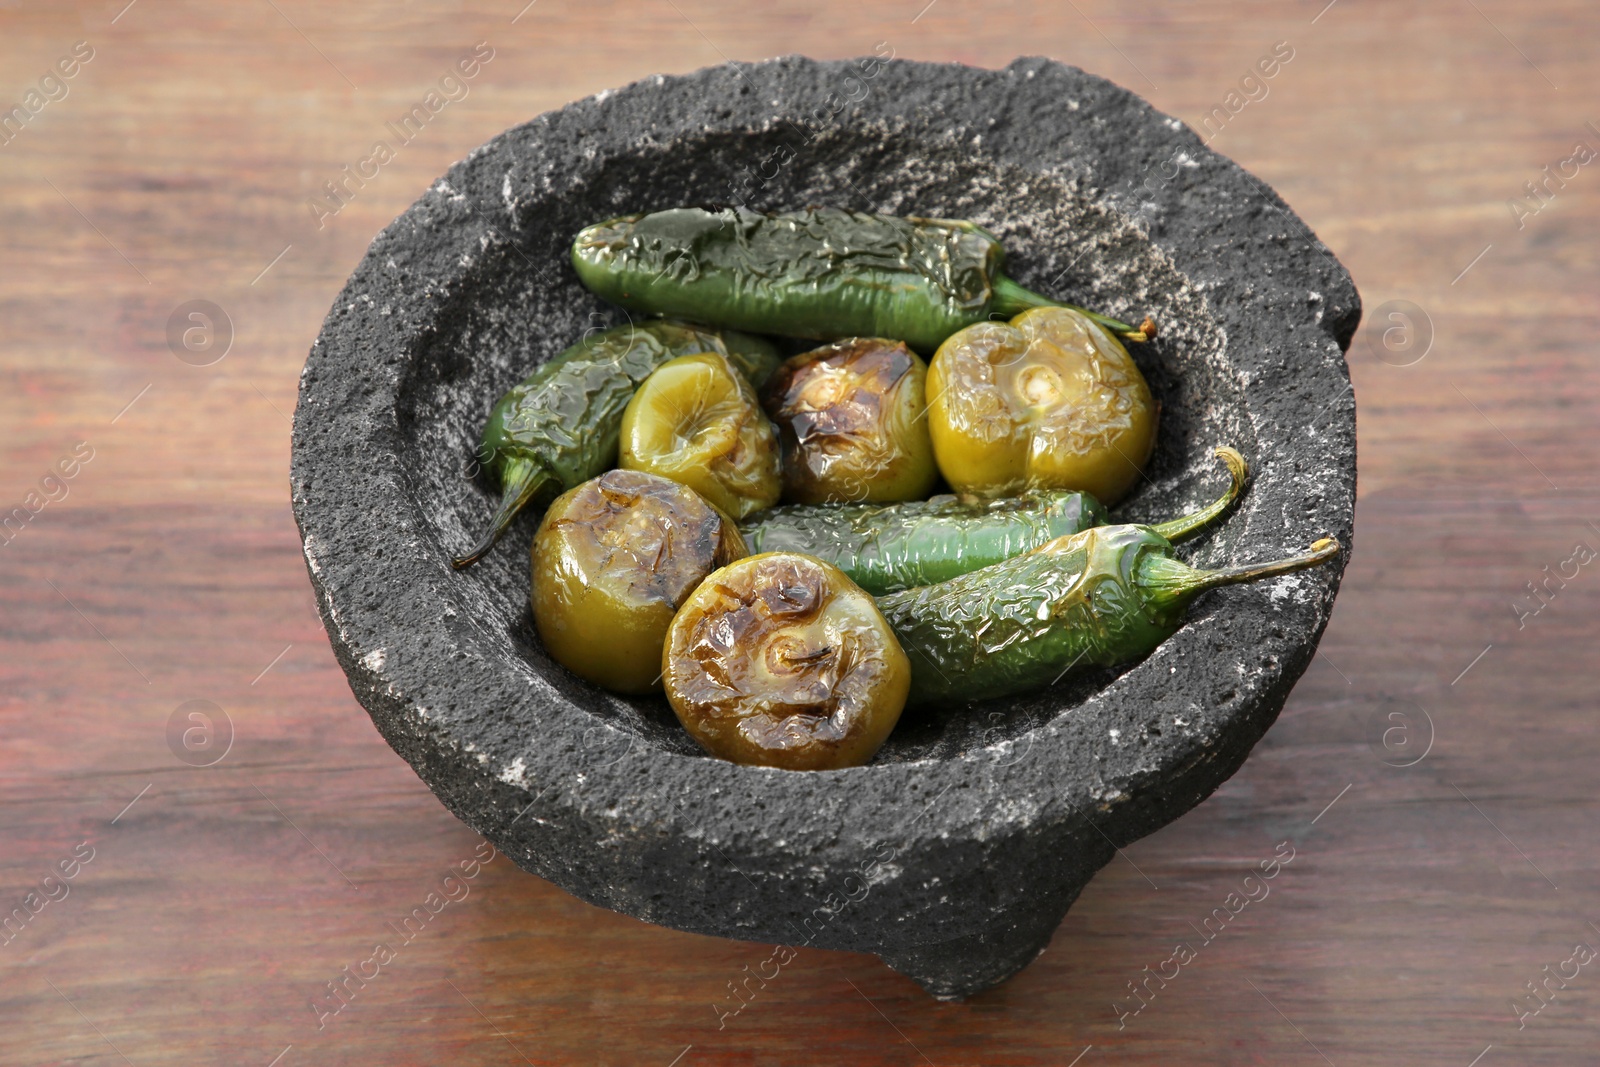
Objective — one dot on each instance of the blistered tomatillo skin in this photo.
(1049, 400)
(697, 421)
(851, 418)
(780, 660)
(612, 561)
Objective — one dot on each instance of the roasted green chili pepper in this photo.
(1100, 598)
(1048, 400)
(821, 272)
(780, 660)
(697, 421)
(888, 547)
(851, 417)
(559, 427)
(612, 561)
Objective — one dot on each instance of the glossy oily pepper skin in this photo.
(560, 426)
(1048, 400)
(822, 273)
(851, 417)
(1100, 598)
(888, 547)
(885, 548)
(612, 561)
(779, 660)
(697, 421)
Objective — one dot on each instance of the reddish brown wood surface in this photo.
(177, 167)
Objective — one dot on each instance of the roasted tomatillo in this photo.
(697, 421)
(851, 418)
(780, 660)
(612, 561)
(1049, 400)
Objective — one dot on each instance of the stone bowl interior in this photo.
(1098, 199)
(523, 305)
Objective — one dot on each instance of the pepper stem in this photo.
(523, 481)
(1320, 552)
(1163, 578)
(1181, 529)
(1012, 299)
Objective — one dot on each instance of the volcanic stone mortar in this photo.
(955, 854)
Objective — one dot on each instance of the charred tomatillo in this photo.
(1049, 400)
(612, 561)
(697, 421)
(851, 418)
(780, 660)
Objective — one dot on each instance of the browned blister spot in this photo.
(849, 422)
(662, 539)
(781, 660)
(697, 421)
(1049, 400)
(611, 563)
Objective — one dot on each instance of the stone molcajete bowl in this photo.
(954, 855)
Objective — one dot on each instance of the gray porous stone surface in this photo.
(955, 854)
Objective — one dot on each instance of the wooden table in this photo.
(1434, 772)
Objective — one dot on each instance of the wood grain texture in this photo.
(177, 167)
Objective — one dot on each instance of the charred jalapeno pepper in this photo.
(612, 561)
(822, 273)
(782, 661)
(1100, 598)
(1048, 400)
(850, 416)
(697, 421)
(559, 427)
(888, 547)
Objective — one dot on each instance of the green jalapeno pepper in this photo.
(1100, 598)
(822, 273)
(697, 421)
(560, 426)
(885, 548)
(850, 417)
(612, 561)
(780, 660)
(888, 547)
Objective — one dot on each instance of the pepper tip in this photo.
(1234, 460)
(1145, 331)
(1187, 526)
(479, 550)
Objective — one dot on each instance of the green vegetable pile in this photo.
(762, 538)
